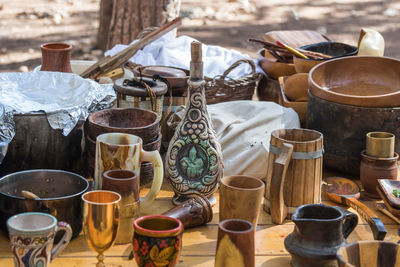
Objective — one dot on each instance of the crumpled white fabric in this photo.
(244, 129)
(175, 52)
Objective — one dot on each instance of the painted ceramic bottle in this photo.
(193, 164)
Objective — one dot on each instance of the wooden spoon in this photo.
(29, 195)
(345, 191)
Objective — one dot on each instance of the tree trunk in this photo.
(122, 20)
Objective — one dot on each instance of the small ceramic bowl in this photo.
(272, 67)
(333, 49)
(369, 254)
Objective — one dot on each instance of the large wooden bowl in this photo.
(363, 81)
(273, 68)
(369, 254)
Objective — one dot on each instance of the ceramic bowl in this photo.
(333, 49)
(272, 67)
(364, 81)
(369, 254)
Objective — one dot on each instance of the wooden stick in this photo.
(382, 208)
(108, 63)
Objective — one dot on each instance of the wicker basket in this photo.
(223, 89)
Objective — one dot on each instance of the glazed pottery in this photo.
(363, 81)
(372, 169)
(294, 172)
(336, 121)
(140, 122)
(116, 151)
(126, 183)
(59, 191)
(100, 221)
(332, 49)
(56, 57)
(346, 191)
(32, 237)
(193, 163)
(235, 244)
(240, 198)
(157, 240)
(369, 254)
(320, 230)
(193, 212)
(380, 145)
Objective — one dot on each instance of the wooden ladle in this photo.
(345, 191)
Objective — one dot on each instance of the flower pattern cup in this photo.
(157, 240)
(32, 237)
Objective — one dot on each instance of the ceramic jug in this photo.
(319, 232)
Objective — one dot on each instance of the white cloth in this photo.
(175, 52)
(244, 130)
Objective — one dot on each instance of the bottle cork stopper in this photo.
(196, 52)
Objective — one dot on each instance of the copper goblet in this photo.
(100, 220)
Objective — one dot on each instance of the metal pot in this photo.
(59, 191)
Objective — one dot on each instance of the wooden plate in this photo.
(387, 186)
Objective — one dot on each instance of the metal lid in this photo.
(134, 87)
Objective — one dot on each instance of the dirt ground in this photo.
(24, 25)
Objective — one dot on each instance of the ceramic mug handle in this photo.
(61, 226)
(350, 222)
(155, 158)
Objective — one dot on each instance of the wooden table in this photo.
(199, 243)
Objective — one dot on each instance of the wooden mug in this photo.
(240, 198)
(294, 174)
(116, 151)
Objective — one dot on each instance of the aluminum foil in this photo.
(7, 130)
(66, 98)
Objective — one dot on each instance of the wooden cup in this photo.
(235, 245)
(380, 145)
(240, 198)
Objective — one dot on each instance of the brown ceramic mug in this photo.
(240, 198)
(235, 245)
(56, 57)
(126, 183)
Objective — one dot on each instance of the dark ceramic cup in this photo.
(126, 183)
(235, 245)
(157, 240)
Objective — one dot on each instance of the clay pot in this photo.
(139, 122)
(56, 57)
(319, 232)
(192, 212)
(372, 169)
(333, 49)
(353, 81)
(369, 254)
(235, 245)
(157, 240)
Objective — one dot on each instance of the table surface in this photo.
(199, 243)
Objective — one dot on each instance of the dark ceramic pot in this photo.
(59, 191)
(372, 169)
(56, 57)
(319, 232)
(157, 240)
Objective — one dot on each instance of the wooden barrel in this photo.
(345, 127)
(302, 184)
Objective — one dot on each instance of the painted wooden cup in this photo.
(369, 254)
(118, 151)
(235, 245)
(240, 198)
(32, 237)
(157, 240)
(125, 183)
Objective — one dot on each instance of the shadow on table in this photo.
(277, 261)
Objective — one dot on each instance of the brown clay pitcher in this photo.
(319, 232)
(294, 174)
(56, 57)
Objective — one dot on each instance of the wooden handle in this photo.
(281, 163)
(377, 227)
